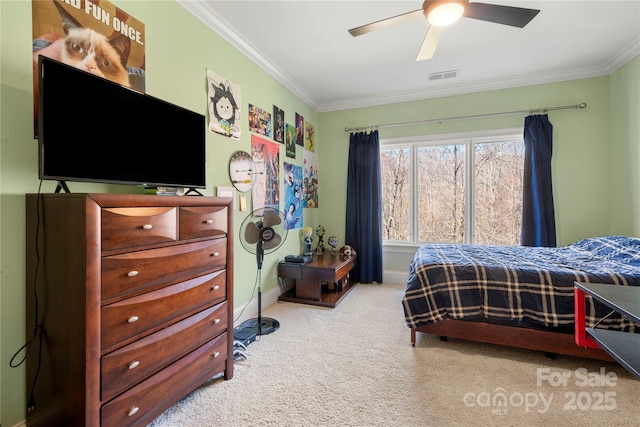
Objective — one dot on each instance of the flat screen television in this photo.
(91, 129)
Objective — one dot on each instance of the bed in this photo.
(516, 295)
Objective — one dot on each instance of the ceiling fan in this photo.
(442, 13)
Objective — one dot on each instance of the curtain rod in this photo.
(446, 119)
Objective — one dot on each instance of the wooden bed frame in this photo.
(531, 339)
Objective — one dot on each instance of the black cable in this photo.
(37, 329)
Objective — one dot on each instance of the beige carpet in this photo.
(354, 366)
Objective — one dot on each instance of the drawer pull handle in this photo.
(216, 354)
(134, 364)
(216, 321)
(133, 411)
(215, 254)
(147, 226)
(209, 221)
(215, 288)
(132, 319)
(132, 273)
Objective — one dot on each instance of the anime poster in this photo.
(310, 179)
(113, 42)
(299, 130)
(266, 159)
(260, 121)
(309, 137)
(224, 106)
(278, 126)
(293, 202)
(290, 142)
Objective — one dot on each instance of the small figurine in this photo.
(320, 247)
(308, 231)
(347, 250)
(333, 243)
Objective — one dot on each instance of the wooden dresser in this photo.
(134, 295)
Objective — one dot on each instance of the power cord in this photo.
(38, 328)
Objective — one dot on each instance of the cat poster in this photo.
(293, 194)
(266, 159)
(93, 36)
(224, 106)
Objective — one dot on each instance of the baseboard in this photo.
(271, 297)
(395, 276)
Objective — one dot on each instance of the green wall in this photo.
(596, 150)
(595, 159)
(179, 50)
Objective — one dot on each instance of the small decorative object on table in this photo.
(347, 250)
(320, 233)
(308, 231)
(333, 243)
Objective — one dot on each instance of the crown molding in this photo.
(221, 27)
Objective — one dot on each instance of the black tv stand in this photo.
(193, 190)
(62, 185)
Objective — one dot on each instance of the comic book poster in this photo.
(266, 159)
(293, 201)
(299, 130)
(224, 102)
(290, 142)
(310, 179)
(309, 137)
(112, 41)
(278, 125)
(260, 121)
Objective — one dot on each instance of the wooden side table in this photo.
(310, 277)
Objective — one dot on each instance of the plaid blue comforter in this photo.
(518, 285)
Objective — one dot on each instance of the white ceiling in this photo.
(305, 45)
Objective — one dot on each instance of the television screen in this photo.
(94, 130)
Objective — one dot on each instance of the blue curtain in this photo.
(363, 230)
(538, 216)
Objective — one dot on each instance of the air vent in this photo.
(443, 75)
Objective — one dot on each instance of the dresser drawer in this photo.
(132, 227)
(144, 402)
(137, 271)
(133, 316)
(131, 364)
(206, 221)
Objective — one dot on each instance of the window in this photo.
(463, 188)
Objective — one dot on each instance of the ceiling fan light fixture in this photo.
(443, 13)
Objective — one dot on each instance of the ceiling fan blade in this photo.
(506, 15)
(270, 219)
(252, 233)
(429, 44)
(384, 23)
(273, 243)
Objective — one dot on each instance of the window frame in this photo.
(468, 139)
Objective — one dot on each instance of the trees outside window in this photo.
(455, 189)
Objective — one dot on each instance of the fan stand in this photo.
(264, 325)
